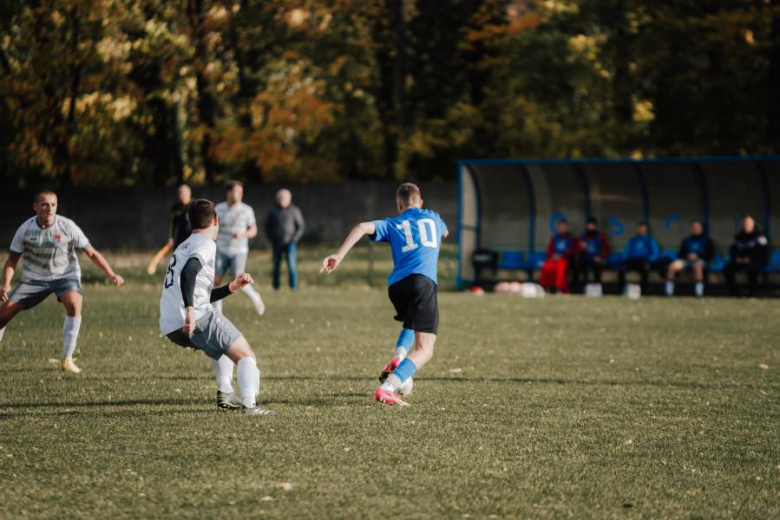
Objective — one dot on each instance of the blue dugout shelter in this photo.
(509, 206)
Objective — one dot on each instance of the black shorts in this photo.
(416, 304)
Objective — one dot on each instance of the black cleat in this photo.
(227, 401)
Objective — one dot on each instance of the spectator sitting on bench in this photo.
(696, 251)
(641, 252)
(593, 254)
(560, 252)
(748, 254)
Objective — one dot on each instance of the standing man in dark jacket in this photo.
(179, 228)
(748, 254)
(284, 228)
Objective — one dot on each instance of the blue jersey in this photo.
(700, 245)
(642, 246)
(415, 238)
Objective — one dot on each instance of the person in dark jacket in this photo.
(179, 228)
(641, 252)
(748, 254)
(284, 228)
(593, 254)
(696, 252)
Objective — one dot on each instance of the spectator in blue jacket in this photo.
(641, 252)
(696, 251)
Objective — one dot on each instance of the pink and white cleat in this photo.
(390, 368)
(389, 397)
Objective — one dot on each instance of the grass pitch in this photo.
(561, 407)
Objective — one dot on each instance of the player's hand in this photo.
(4, 294)
(189, 322)
(116, 279)
(692, 257)
(170, 242)
(330, 264)
(240, 281)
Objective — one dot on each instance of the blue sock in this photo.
(405, 342)
(405, 370)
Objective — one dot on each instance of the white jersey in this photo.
(50, 253)
(171, 302)
(236, 218)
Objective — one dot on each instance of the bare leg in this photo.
(8, 310)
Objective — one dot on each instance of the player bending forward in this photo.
(414, 237)
(188, 319)
(47, 243)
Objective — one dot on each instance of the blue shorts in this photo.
(236, 264)
(29, 293)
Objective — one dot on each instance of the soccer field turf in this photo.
(565, 406)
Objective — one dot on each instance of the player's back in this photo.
(171, 301)
(415, 239)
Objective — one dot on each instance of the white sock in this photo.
(218, 306)
(699, 289)
(2, 331)
(392, 383)
(70, 333)
(250, 291)
(248, 381)
(669, 288)
(400, 352)
(223, 371)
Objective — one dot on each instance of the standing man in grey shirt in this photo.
(284, 228)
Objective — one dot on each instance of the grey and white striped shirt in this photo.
(50, 253)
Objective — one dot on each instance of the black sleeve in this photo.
(188, 275)
(220, 292)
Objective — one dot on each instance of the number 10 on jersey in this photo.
(428, 237)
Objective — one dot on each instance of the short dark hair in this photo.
(40, 193)
(642, 223)
(407, 193)
(201, 213)
(229, 185)
(592, 220)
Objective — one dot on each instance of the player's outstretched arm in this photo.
(100, 261)
(8, 273)
(332, 262)
(239, 282)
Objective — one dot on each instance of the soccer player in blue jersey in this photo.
(696, 251)
(642, 252)
(415, 237)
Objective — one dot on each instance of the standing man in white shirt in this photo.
(47, 243)
(237, 225)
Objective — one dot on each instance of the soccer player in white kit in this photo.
(47, 243)
(188, 318)
(237, 225)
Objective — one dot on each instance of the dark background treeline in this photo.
(151, 92)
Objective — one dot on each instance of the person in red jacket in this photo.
(560, 252)
(593, 253)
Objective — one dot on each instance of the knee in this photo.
(73, 307)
